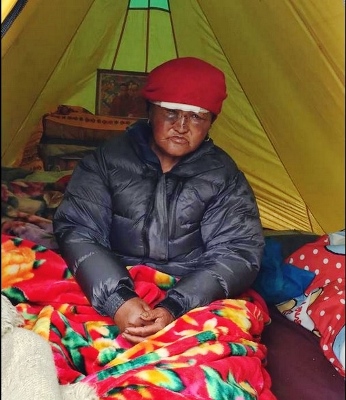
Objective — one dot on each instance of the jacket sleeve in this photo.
(81, 226)
(233, 240)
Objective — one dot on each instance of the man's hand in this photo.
(129, 314)
(154, 321)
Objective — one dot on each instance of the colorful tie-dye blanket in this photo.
(212, 352)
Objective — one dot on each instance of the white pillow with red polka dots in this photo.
(321, 308)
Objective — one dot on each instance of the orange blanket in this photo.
(212, 352)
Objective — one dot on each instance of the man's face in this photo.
(177, 133)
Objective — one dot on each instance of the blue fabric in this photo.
(278, 281)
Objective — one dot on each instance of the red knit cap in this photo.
(187, 80)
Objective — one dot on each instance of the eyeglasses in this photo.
(189, 117)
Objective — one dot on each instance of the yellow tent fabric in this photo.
(6, 7)
(283, 120)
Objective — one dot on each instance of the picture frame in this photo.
(118, 94)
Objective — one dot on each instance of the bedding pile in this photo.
(308, 288)
(320, 308)
(212, 352)
(27, 208)
(27, 364)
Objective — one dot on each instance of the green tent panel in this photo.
(283, 119)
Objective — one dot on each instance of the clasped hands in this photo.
(136, 320)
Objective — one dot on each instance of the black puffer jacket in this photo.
(199, 222)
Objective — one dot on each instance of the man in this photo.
(162, 194)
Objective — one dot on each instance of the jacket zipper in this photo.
(171, 220)
(145, 227)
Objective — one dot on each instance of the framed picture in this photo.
(118, 94)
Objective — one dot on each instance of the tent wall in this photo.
(292, 78)
(283, 120)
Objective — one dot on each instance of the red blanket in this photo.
(212, 352)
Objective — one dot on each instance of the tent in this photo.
(283, 120)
